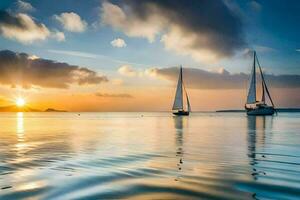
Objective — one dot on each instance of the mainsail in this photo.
(251, 98)
(178, 102)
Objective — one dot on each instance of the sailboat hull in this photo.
(181, 113)
(266, 110)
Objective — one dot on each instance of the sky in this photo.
(117, 55)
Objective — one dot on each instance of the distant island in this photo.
(277, 109)
(230, 111)
(54, 110)
(14, 108)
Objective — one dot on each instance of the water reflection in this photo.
(117, 156)
(257, 127)
(20, 145)
(20, 125)
(180, 124)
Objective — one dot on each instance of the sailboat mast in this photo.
(181, 80)
(264, 83)
(254, 73)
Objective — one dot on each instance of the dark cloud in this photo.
(22, 27)
(201, 79)
(10, 20)
(22, 69)
(204, 29)
(122, 95)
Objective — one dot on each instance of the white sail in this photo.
(251, 98)
(178, 102)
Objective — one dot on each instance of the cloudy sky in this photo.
(118, 55)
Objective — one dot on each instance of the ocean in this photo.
(149, 156)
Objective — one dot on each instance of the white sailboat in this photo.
(178, 108)
(254, 106)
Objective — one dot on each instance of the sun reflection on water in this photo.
(20, 125)
(21, 145)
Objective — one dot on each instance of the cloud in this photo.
(264, 49)
(27, 71)
(74, 53)
(201, 79)
(118, 42)
(127, 70)
(204, 29)
(117, 81)
(22, 27)
(58, 35)
(91, 55)
(298, 50)
(33, 57)
(23, 6)
(255, 6)
(122, 95)
(71, 22)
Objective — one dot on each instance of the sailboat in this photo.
(178, 108)
(254, 106)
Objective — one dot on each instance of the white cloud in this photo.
(113, 15)
(22, 27)
(127, 70)
(182, 42)
(71, 22)
(24, 6)
(118, 42)
(33, 57)
(73, 53)
(197, 33)
(58, 35)
(117, 81)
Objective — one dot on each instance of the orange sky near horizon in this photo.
(146, 99)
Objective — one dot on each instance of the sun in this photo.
(20, 102)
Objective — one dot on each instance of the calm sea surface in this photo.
(149, 156)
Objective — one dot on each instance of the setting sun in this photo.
(20, 102)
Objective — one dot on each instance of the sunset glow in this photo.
(20, 102)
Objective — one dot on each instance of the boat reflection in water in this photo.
(157, 156)
(180, 124)
(259, 127)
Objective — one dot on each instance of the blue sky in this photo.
(272, 28)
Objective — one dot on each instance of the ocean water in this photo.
(149, 156)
